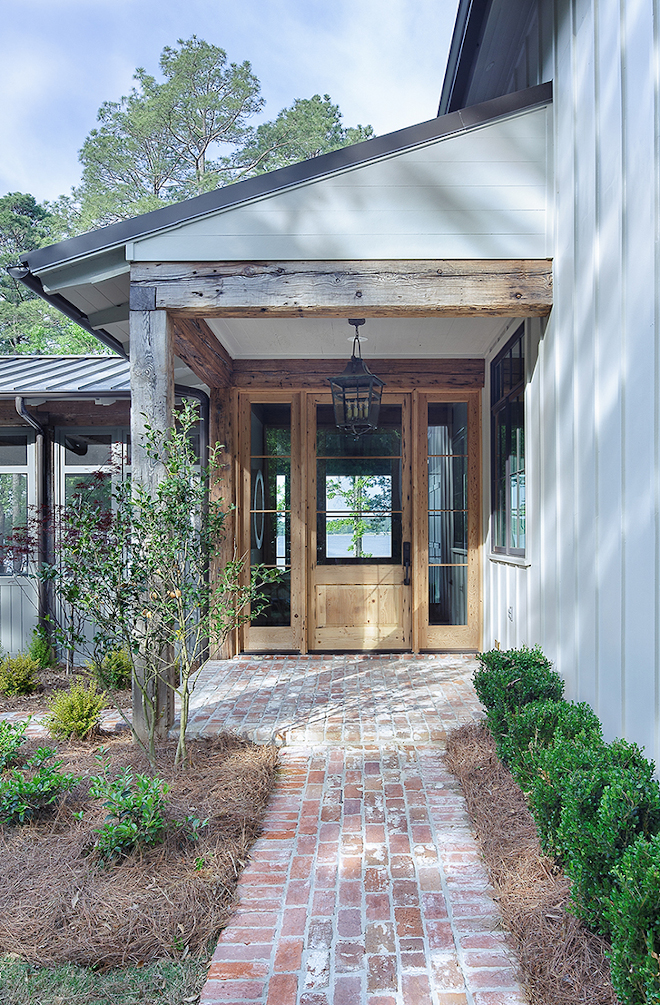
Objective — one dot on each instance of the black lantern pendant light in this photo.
(356, 392)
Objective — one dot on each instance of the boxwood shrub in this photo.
(633, 914)
(509, 679)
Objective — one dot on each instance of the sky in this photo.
(381, 61)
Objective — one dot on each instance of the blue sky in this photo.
(382, 61)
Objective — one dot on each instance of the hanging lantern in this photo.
(356, 392)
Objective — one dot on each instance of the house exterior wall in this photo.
(590, 594)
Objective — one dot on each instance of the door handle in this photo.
(406, 563)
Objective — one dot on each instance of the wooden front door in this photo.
(359, 529)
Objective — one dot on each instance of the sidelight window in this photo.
(508, 528)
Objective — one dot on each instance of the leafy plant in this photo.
(509, 679)
(604, 810)
(541, 724)
(27, 791)
(634, 921)
(18, 675)
(114, 671)
(139, 571)
(12, 737)
(135, 805)
(75, 712)
(40, 648)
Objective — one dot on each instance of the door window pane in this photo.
(270, 506)
(448, 513)
(358, 491)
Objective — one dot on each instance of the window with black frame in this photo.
(507, 384)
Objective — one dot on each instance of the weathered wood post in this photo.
(152, 403)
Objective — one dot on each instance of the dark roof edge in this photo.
(275, 181)
(469, 26)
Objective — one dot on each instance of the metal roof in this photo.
(63, 375)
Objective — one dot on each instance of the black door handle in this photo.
(406, 563)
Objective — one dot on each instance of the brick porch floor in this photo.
(366, 887)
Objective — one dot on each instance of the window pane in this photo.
(271, 483)
(448, 537)
(354, 537)
(447, 428)
(270, 538)
(277, 612)
(271, 430)
(97, 484)
(13, 448)
(448, 482)
(448, 595)
(384, 441)
(13, 519)
(508, 448)
(88, 449)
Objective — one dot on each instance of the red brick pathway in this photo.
(367, 887)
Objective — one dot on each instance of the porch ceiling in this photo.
(330, 338)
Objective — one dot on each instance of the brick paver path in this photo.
(366, 887)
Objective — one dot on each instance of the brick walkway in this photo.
(366, 887)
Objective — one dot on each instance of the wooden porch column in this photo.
(152, 403)
(223, 488)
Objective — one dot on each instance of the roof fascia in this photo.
(275, 181)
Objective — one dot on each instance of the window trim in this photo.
(506, 552)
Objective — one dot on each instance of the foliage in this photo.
(38, 785)
(75, 712)
(634, 921)
(135, 805)
(541, 724)
(509, 679)
(310, 127)
(604, 809)
(12, 737)
(24, 226)
(40, 648)
(114, 670)
(139, 573)
(18, 675)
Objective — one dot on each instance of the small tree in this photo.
(139, 573)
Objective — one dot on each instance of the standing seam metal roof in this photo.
(63, 375)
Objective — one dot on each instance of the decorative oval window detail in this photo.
(258, 504)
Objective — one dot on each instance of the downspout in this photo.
(40, 495)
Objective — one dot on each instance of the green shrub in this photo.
(509, 679)
(115, 670)
(12, 736)
(604, 810)
(539, 725)
(75, 712)
(40, 648)
(27, 791)
(17, 675)
(135, 806)
(633, 915)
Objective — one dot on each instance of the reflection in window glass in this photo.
(358, 482)
(270, 506)
(13, 448)
(88, 449)
(13, 524)
(508, 447)
(98, 484)
(448, 512)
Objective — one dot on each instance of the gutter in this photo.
(22, 274)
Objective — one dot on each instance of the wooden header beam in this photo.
(410, 288)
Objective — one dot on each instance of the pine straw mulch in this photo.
(561, 962)
(51, 681)
(58, 906)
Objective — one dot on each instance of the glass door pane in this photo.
(448, 513)
(270, 506)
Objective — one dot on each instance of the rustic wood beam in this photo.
(410, 288)
(197, 346)
(397, 373)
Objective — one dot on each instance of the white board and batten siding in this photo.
(480, 193)
(590, 594)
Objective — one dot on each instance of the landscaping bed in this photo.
(61, 904)
(51, 681)
(561, 961)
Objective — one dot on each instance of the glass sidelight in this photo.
(448, 512)
(270, 506)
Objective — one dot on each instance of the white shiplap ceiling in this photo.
(329, 338)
